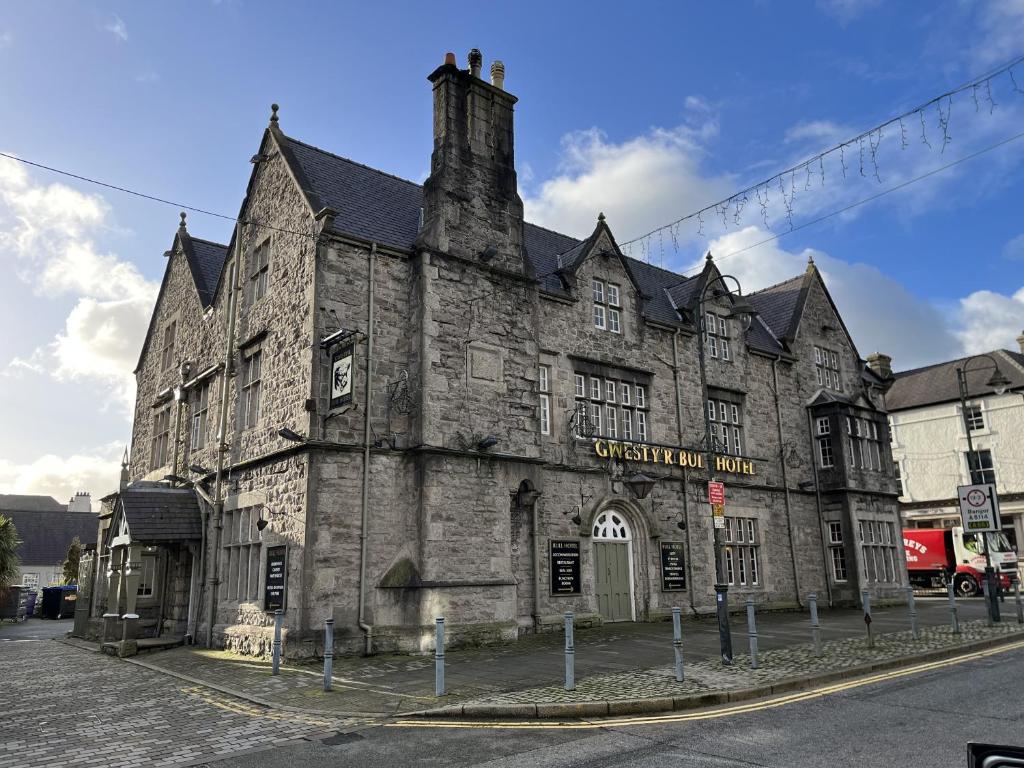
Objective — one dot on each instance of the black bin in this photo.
(59, 602)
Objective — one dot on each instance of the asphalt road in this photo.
(35, 629)
(924, 719)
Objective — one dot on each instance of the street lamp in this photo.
(999, 383)
(745, 312)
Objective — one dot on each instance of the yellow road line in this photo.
(717, 713)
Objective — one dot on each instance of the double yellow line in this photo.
(716, 713)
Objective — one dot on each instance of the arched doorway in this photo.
(613, 566)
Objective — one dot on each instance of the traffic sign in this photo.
(716, 493)
(979, 507)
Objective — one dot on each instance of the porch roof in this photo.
(161, 514)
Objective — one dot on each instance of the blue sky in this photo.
(645, 111)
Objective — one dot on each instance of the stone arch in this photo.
(615, 519)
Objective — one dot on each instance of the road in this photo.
(922, 720)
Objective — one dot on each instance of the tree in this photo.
(9, 560)
(70, 564)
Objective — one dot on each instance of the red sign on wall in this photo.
(716, 493)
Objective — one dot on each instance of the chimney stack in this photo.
(881, 365)
(471, 203)
(1020, 342)
(80, 502)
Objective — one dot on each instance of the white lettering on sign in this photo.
(911, 544)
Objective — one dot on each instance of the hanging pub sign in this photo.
(673, 457)
(565, 567)
(341, 377)
(274, 583)
(673, 566)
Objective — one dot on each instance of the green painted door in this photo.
(611, 581)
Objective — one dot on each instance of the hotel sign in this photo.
(673, 457)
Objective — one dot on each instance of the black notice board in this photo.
(277, 574)
(673, 566)
(565, 567)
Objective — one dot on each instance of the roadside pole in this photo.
(439, 656)
(752, 633)
(677, 643)
(865, 597)
(276, 659)
(954, 619)
(570, 654)
(812, 602)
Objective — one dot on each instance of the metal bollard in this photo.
(570, 655)
(439, 656)
(1016, 599)
(913, 614)
(988, 604)
(812, 602)
(752, 633)
(865, 598)
(954, 619)
(677, 644)
(275, 668)
(328, 652)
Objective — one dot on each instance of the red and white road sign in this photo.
(716, 493)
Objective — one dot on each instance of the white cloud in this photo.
(999, 31)
(97, 472)
(639, 183)
(117, 28)
(881, 314)
(1014, 249)
(6, 38)
(990, 320)
(847, 10)
(49, 231)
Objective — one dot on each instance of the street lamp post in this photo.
(999, 383)
(741, 309)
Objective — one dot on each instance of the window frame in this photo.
(259, 272)
(167, 348)
(159, 453)
(199, 421)
(251, 389)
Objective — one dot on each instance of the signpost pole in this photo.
(953, 618)
(812, 601)
(570, 654)
(439, 656)
(1016, 599)
(328, 653)
(865, 597)
(677, 642)
(752, 633)
(913, 614)
(276, 659)
(987, 592)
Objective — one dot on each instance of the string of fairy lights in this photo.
(929, 124)
(858, 156)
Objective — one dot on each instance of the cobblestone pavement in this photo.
(773, 666)
(64, 706)
(389, 685)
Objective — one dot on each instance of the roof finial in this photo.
(124, 459)
(600, 216)
(708, 257)
(182, 224)
(810, 258)
(273, 115)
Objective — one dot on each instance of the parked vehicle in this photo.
(936, 555)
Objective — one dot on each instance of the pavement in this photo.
(614, 663)
(66, 705)
(920, 720)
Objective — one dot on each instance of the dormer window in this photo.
(607, 309)
(716, 337)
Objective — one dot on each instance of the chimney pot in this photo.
(498, 74)
(476, 62)
(449, 58)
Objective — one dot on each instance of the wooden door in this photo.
(611, 581)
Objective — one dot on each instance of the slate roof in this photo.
(46, 534)
(161, 514)
(206, 261)
(25, 503)
(777, 304)
(938, 383)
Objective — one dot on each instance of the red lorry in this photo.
(934, 555)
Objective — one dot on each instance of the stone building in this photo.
(46, 529)
(431, 407)
(929, 438)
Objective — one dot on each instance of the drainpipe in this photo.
(178, 395)
(364, 512)
(222, 446)
(196, 591)
(785, 481)
(535, 531)
(679, 435)
(817, 500)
